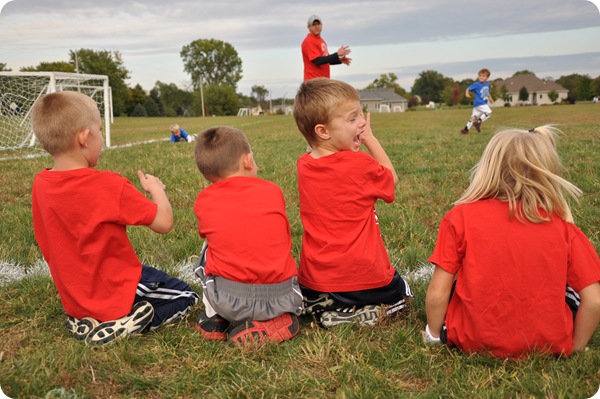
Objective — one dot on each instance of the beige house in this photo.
(538, 90)
(382, 100)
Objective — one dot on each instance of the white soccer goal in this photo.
(384, 108)
(20, 90)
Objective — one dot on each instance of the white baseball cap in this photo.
(312, 19)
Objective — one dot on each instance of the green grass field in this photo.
(38, 359)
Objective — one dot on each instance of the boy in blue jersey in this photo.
(481, 109)
(178, 134)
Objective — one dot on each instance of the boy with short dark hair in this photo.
(79, 218)
(248, 274)
(345, 272)
(481, 109)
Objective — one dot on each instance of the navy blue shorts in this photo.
(170, 297)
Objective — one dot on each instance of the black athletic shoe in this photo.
(477, 126)
(465, 131)
(135, 322)
(364, 316)
(213, 328)
(81, 328)
(315, 305)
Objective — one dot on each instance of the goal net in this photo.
(20, 90)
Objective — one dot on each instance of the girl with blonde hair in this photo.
(508, 251)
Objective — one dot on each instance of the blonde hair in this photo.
(218, 151)
(56, 119)
(522, 168)
(174, 127)
(316, 102)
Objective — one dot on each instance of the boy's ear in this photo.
(247, 161)
(322, 132)
(82, 137)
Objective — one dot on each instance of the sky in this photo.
(551, 38)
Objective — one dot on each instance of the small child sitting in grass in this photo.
(513, 273)
(345, 272)
(248, 274)
(80, 216)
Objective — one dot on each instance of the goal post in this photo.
(19, 91)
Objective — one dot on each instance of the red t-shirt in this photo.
(314, 47)
(342, 247)
(245, 224)
(511, 279)
(79, 220)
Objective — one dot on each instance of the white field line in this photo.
(11, 272)
(42, 153)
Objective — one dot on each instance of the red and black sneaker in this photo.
(477, 126)
(278, 329)
(213, 328)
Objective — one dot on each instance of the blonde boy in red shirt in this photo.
(345, 272)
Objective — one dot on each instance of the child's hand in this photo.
(367, 133)
(150, 182)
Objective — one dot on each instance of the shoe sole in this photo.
(365, 316)
(135, 322)
(81, 328)
(212, 328)
(316, 305)
(278, 329)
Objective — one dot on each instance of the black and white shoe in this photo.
(81, 328)
(135, 322)
(316, 305)
(367, 315)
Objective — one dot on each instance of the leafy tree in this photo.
(135, 96)
(596, 86)
(106, 63)
(523, 72)
(151, 107)
(569, 82)
(429, 86)
(221, 100)
(154, 95)
(139, 110)
(584, 90)
(176, 102)
(553, 95)
(3, 67)
(260, 93)
(212, 61)
(387, 81)
(523, 94)
(57, 66)
(504, 93)
(452, 94)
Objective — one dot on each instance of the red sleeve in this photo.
(449, 248)
(135, 208)
(584, 264)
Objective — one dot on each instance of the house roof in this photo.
(382, 94)
(532, 83)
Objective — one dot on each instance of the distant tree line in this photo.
(433, 86)
(215, 69)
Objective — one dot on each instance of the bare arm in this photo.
(375, 148)
(588, 316)
(467, 93)
(163, 221)
(437, 299)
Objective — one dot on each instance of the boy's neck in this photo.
(70, 161)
